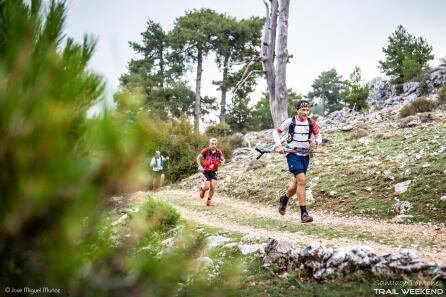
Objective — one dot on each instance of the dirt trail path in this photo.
(429, 241)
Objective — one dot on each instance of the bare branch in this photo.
(243, 80)
(245, 61)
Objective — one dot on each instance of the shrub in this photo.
(236, 140)
(226, 148)
(161, 214)
(59, 168)
(182, 146)
(358, 133)
(218, 130)
(420, 104)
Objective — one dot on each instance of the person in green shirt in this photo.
(157, 165)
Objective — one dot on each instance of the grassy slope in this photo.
(359, 179)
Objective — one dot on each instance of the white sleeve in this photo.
(276, 137)
(278, 131)
(318, 139)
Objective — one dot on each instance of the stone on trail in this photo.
(402, 187)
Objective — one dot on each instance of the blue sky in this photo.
(323, 34)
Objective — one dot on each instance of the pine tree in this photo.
(355, 94)
(406, 56)
(328, 88)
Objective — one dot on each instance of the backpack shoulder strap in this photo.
(310, 125)
(291, 130)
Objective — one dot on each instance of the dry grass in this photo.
(421, 104)
(442, 95)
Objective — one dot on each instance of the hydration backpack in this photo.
(293, 125)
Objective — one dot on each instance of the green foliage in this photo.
(59, 169)
(193, 33)
(178, 141)
(52, 187)
(411, 69)
(235, 141)
(218, 130)
(191, 38)
(165, 55)
(328, 88)
(261, 113)
(158, 75)
(239, 114)
(355, 94)
(182, 145)
(406, 56)
(237, 42)
(226, 145)
(420, 104)
(161, 214)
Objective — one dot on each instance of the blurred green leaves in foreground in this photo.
(59, 168)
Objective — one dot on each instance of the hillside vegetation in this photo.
(355, 172)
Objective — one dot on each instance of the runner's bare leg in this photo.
(300, 180)
(213, 185)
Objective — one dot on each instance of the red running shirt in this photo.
(211, 160)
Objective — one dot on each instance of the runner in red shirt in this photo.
(208, 161)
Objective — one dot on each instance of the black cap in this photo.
(302, 103)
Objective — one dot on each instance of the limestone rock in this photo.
(401, 207)
(216, 241)
(402, 187)
(401, 219)
(256, 250)
(324, 263)
(121, 220)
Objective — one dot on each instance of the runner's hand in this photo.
(280, 149)
(200, 168)
(313, 144)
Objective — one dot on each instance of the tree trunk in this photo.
(282, 60)
(224, 90)
(198, 91)
(276, 76)
(268, 50)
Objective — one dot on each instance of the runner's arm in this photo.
(316, 133)
(318, 139)
(200, 162)
(277, 135)
(222, 158)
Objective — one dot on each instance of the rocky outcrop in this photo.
(383, 94)
(325, 263)
(437, 79)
